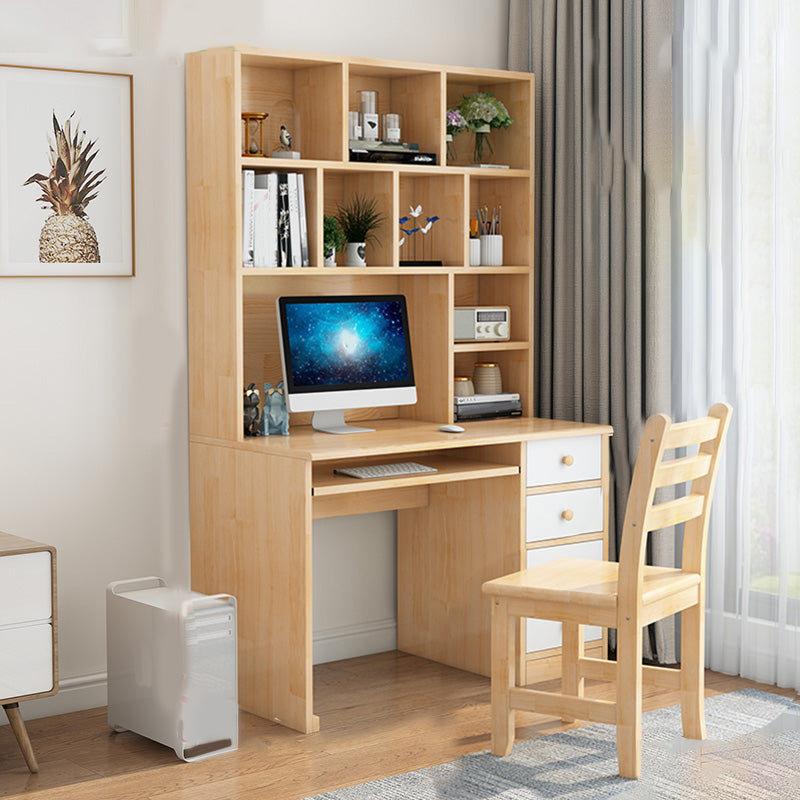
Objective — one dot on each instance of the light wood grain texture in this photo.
(251, 537)
(21, 734)
(630, 594)
(468, 532)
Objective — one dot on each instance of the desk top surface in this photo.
(397, 436)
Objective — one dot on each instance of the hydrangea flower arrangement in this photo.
(483, 111)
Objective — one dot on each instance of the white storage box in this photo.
(172, 666)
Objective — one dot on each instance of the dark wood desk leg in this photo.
(18, 726)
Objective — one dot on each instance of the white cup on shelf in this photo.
(474, 252)
(492, 250)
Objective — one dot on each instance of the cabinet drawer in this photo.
(26, 660)
(557, 514)
(544, 634)
(563, 460)
(25, 593)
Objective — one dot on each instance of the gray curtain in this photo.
(602, 250)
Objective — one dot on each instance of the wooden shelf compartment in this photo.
(511, 197)
(497, 289)
(439, 196)
(450, 469)
(313, 202)
(427, 298)
(413, 93)
(304, 94)
(341, 186)
(516, 369)
(513, 146)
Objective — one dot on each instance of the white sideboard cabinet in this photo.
(28, 630)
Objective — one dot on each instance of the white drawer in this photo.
(557, 514)
(26, 660)
(574, 458)
(544, 634)
(25, 593)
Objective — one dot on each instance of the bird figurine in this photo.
(286, 139)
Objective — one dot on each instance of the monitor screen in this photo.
(346, 352)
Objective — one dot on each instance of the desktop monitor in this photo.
(345, 352)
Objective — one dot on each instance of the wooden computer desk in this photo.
(253, 504)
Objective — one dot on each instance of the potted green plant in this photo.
(359, 219)
(483, 111)
(333, 240)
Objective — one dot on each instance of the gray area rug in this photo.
(752, 752)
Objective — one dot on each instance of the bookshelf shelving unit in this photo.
(253, 500)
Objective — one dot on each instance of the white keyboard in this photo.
(385, 470)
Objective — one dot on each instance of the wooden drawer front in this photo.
(546, 460)
(25, 593)
(558, 514)
(544, 634)
(26, 660)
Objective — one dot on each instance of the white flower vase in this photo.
(329, 258)
(481, 139)
(356, 253)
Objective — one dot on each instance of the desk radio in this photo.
(481, 322)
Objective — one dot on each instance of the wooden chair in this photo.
(626, 596)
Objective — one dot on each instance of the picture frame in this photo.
(66, 173)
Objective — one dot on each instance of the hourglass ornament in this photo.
(253, 133)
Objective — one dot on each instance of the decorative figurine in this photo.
(285, 149)
(275, 419)
(251, 401)
(414, 213)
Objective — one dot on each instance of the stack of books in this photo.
(274, 228)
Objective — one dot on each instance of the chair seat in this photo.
(579, 582)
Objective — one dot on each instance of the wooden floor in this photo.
(380, 715)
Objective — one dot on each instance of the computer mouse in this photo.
(451, 429)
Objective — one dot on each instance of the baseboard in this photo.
(74, 694)
(350, 641)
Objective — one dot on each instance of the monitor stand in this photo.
(333, 422)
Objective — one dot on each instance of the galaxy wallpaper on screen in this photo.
(347, 344)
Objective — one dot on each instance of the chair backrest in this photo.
(653, 472)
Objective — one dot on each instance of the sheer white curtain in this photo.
(736, 310)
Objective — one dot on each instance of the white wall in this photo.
(93, 372)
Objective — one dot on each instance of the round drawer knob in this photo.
(568, 461)
(567, 515)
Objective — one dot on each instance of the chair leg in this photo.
(21, 732)
(629, 699)
(503, 678)
(571, 651)
(692, 672)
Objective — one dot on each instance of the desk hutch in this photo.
(507, 492)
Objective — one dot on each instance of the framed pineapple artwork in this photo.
(66, 173)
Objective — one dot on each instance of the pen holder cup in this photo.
(492, 250)
(474, 252)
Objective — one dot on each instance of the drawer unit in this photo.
(564, 460)
(25, 593)
(26, 660)
(28, 630)
(558, 514)
(545, 634)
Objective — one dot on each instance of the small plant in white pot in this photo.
(333, 240)
(359, 219)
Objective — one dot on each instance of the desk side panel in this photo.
(469, 533)
(251, 537)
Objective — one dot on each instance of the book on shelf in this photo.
(301, 191)
(248, 218)
(294, 221)
(284, 236)
(265, 250)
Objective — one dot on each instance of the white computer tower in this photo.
(172, 666)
